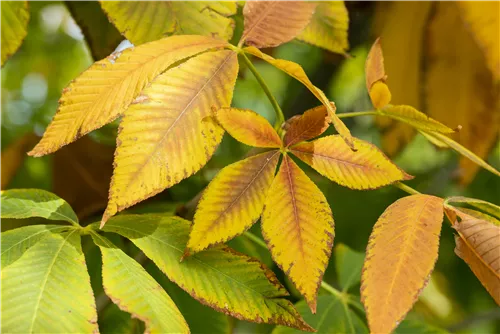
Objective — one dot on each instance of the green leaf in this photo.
(15, 17)
(486, 207)
(221, 278)
(348, 264)
(115, 321)
(26, 203)
(48, 289)
(417, 327)
(332, 316)
(134, 290)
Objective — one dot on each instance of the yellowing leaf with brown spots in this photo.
(298, 226)
(296, 71)
(311, 124)
(248, 127)
(328, 27)
(163, 136)
(415, 118)
(400, 257)
(103, 92)
(478, 244)
(271, 23)
(233, 201)
(367, 168)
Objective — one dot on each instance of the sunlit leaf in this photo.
(15, 16)
(248, 127)
(145, 21)
(415, 118)
(298, 227)
(49, 281)
(380, 94)
(217, 277)
(307, 126)
(348, 264)
(103, 92)
(400, 256)
(328, 27)
(135, 291)
(26, 203)
(478, 244)
(233, 201)
(297, 72)
(163, 137)
(367, 168)
(271, 23)
(489, 208)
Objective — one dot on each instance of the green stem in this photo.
(280, 118)
(356, 113)
(406, 188)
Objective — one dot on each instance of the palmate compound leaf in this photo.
(297, 72)
(271, 23)
(367, 168)
(103, 92)
(400, 256)
(15, 17)
(49, 281)
(145, 21)
(163, 137)
(233, 201)
(130, 286)
(478, 244)
(221, 278)
(298, 227)
(309, 125)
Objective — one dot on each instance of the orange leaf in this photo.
(374, 65)
(248, 127)
(298, 226)
(366, 168)
(233, 201)
(311, 124)
(400, 257)
(271, 23)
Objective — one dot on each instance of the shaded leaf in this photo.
(166, 122)
(478, 244)
(418, 327)
(415, 118)
(115, 321)
(26, 203)
(297, 72)
(400, 257)
(271, 23)
(248, 127)
(348, 264)
(217, 277)
(298, 227)
(489, 208)
(328, 27)
(103, 92)
(233, 201)
(367, 168)
(15, 17)
(145, 21)
(55, 266)
(311, 124)
(135, 291)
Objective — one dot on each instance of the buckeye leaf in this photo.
(298, 227)
(487, 207)
(15, 17)
(221, 278)
(348, 264)
(165, 123)
(306, 126)
(103, 92)
(367, 168)
(233, 201)
(400, 256)
(130, 286)
(415, 118)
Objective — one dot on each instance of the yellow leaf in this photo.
(248, 127)
(380, 94)
(433, 140)
(460, 88)
(271, 23)
(297, 72)
(233, 201)
(298, 226)
(103, 92)
(415, 118)
(311, 124)
(478, 244)
(466, 213)
(366, 168)
(15, 17)
(328, 27)
(483, 21)
(145, 21)
(374, 65)
(400, 256)
(162, 137)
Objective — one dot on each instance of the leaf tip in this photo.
(185, 255)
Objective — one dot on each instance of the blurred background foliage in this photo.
(55, 52)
